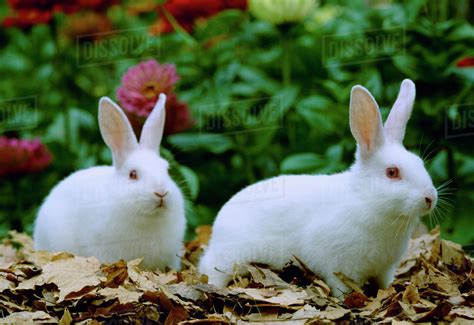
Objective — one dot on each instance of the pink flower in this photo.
(22, 156)
(141, 86)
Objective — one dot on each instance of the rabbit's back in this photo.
(267, 221)
(72, 204)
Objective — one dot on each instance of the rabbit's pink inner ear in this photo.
(116, 131)
(365, 121)
(399, 115)
(152, 131)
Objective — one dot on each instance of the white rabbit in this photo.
(129, 210)
(357, 222)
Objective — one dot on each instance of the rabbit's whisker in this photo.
(423, 157)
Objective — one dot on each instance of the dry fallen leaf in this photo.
(278, 297)
(348, 282)
(434, 284)
(355, 300)
(72, 275)
(28, 317)
(123, 295)
(411, 295)
(464, 312)
(66, 319)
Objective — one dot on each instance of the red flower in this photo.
(178, 117)
(141, 86)
(466, 62)
(27, 13)
(87, 26)
(186, 12)
(27, 18)
(22, 156)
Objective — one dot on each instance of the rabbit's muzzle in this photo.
(161, 197)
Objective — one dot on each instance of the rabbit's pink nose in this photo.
(161, 195)
(428, 201)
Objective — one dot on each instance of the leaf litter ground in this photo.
(433, 285)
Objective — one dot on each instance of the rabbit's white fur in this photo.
(357, 222)
(102, 211)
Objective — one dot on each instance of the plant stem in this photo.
(286, 59)
(248, 168)
(178, 28)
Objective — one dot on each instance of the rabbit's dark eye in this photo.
(393, 172)
(133, 175)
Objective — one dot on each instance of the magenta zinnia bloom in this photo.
(140, 88)
(22, 156)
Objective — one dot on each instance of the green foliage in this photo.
(250, 123)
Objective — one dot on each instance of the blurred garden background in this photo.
(255, 89)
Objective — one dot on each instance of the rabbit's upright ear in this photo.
(365, 121)
(116, 130)
(400, 113)
(152, 131)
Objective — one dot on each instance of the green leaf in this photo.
(438, 166)
(258, 79)
(192, 181)
(215, 143)
(301, 163)
(374, 83)
(316, 101)
(406, 64)
(314, 110)
(463, 32)
(283, 100)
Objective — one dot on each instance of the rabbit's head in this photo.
(141, 176)
(392, 177)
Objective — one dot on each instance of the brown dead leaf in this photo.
(70, 274)
(266, 277)
(408, 310)
(212, 319)
(452, 254)
(8, 255)
(166, 278)
(29, 317)
(67, 318)
(307, 312)
(22, 240)
(348, 282)
(394, 309)
(195, 247)
(142, 279)
(436, 286)
(437, 313)
(278, 297)
(267, 317)
(321, 287)
(203, 234)
(355, 300)
(456, 300)
(332, 313)
(116, 274)
(461, 321)
(464, 312)
(411, 295)
(421, 246)
(185, 291)
(123, 295)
